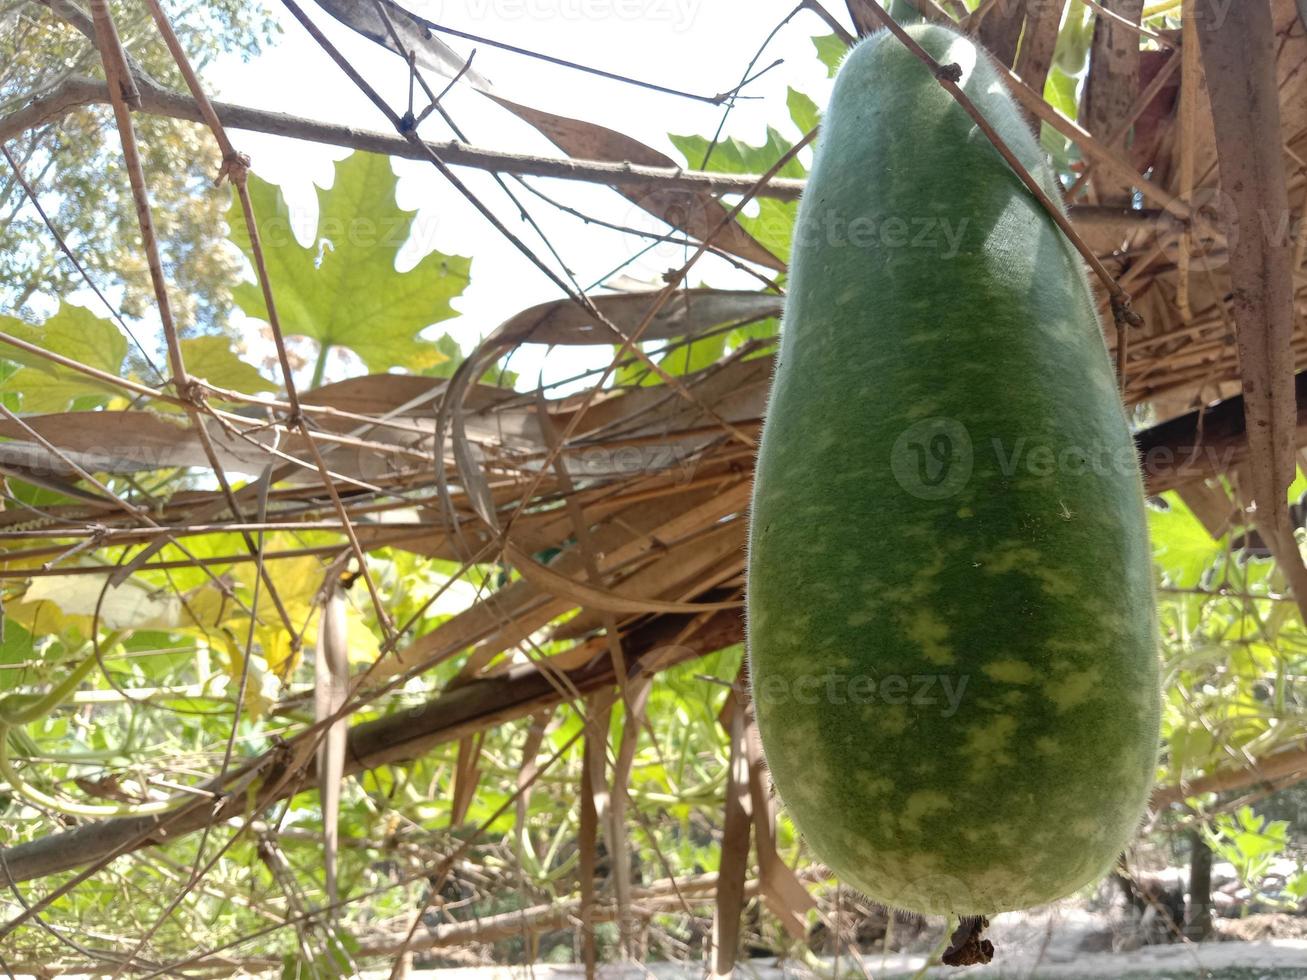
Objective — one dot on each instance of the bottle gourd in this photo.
(951, 624)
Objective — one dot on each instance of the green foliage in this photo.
(75, 163)
(1062, 92)
(343, 290)
(213, 359)
(336, 961)
(1233, 646)
(498, 375)
(1181, 545)
(1250, 843)
(1071, 54)
(773, 224)
(77, 334)
(830, 51)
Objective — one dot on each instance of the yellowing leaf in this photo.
(297, 580)
(257, 701)
(362, 639)
(280, 657)
(131, 605)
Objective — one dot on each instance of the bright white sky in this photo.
(696, 45)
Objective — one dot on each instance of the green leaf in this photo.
(453, 356)
(773, 225)
(803, 111)
(344, 291)
(830, 51)
(734, 156)
(1060, 91)
(1297, 886)
(1073, 41)
(212, 359)
(335, 960)
(74, 332)
(16, 647)
(694, 356)
(765, 330)
(1181, 545)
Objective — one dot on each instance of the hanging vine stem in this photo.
(235, 167)
(12, 715)
(948, 76)
(111, 497)
(115, 65)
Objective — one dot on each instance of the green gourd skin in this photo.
(952, 632)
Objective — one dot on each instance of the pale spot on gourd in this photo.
(920, 805)
(922, 584)
(861, 618)
(1047, 746)
(1012, 558)
(877, 786)
(1009, 671)
(923, 410)
(1057, 584)
(1074, 648)
(987, 745)
(1072, 690)
(931, 634)
(893, 720)
(784, 637)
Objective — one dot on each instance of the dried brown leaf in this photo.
(698, 215)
